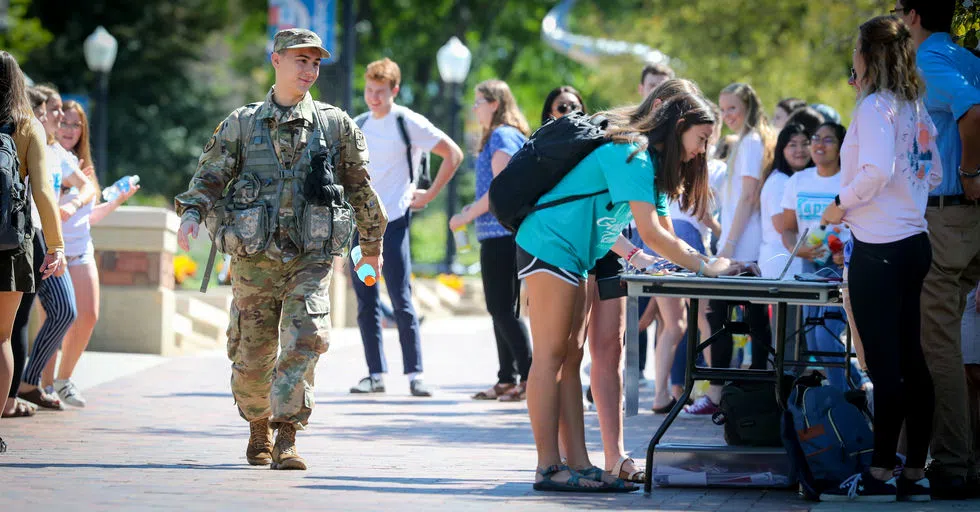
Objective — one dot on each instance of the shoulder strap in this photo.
(243, 143)
(361, 119)
(400, 119)
(569, 199)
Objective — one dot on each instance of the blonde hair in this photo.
(885, 45)
(384, 70)
(83, 148)
(507, 113)
(755, 121)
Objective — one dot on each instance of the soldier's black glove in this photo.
(319, 187)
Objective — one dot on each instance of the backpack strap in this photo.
(569, 199)
(219, 206)
(361, 119)
(400, 120)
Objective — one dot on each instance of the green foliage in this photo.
(24, 34)
(966, 23)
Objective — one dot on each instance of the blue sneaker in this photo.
(863, 487)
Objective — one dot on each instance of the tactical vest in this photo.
(265, 209)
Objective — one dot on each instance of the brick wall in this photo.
(135, 268)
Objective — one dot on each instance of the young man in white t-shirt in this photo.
(394, 177)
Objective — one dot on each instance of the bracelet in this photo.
(629, 255)
(974, 174)
(700, 268)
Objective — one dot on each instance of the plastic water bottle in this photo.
(366, 273)
(120, 187)
(462, 238)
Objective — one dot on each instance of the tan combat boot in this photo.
(284, 455)
(259, 451)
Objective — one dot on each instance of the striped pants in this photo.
(57, 296)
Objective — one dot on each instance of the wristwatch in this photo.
(837, 200)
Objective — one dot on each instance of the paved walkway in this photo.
(163, 434)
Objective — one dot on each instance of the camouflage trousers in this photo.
(277, 304)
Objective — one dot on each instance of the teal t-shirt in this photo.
(574, 235)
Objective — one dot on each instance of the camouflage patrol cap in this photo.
(298, 38)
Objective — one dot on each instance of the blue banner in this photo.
(320, 16)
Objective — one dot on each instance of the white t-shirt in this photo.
(76, 230)
(61, 164)
(748, 163)
(772, 253)
(889, 163)
(716, 175)
(809, 194)
(387, 165)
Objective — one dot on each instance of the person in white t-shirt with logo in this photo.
(394, 170)
(806, 196)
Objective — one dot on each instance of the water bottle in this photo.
(366, 273)
(120, 187)
(462, 238)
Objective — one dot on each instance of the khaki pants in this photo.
(277, 304)
(954, 232)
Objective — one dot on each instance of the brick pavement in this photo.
(168, 437)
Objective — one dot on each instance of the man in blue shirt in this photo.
(952, 79)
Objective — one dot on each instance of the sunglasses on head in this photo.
(564, 108)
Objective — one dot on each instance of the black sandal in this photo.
(572, 485)
(665, 409)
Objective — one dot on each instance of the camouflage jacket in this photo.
(290, 130)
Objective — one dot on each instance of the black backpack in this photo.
(552, 151)
(15, 206)
(750, 414)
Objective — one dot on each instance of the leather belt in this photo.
(957, 200)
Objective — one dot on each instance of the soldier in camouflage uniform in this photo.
(282, 243)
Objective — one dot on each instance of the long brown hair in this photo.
(507, 112)
(755, 120)
(48, 92)
(83, 148)
(665, 127)
(634, 113)
(885, 44)
(14, 106)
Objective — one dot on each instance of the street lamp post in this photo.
(100, 54)
(453, 60)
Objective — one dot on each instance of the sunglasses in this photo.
(853, 76)
(564, 108)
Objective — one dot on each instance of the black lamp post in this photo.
(453, 60)
(100, 54)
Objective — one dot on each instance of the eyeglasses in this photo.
(826, 140)
(479, 102)
(853, 76)
(71, 126)
(564, 108)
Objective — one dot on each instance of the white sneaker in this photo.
(69, 393)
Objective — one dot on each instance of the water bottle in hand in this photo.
(366, 273)
(120, 187)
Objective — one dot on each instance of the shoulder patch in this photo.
(359, 142)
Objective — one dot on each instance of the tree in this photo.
(22, 34)
(162, 106)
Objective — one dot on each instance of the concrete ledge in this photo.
(136, 320)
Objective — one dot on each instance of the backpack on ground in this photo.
(750, 414)
(548, 155)
(15, 206)
(827, 437)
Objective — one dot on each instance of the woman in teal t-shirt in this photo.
(647, 162)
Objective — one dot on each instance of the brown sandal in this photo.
(493, 392)
(37, 397)
(22, 409)
(515, 394)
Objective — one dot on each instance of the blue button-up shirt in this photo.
(952, 76)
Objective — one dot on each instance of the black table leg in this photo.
(693, 340)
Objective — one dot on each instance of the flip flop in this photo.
(637, 476)
(665, 409)
(37, 397)
(515, 394)
(494, 392)
(572, 485)
(21, 410)
(595, 473)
